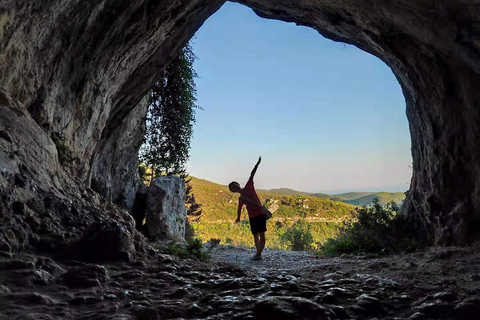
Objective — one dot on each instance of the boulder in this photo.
(166, 212)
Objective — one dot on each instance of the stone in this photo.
(467, 310)
(34, 298)
(445, 296)
(418, 316)
(85, 276)
(371, 305)
(438, 309)
(4, 289)
(276, 307)
(166, 212)
(108, 241)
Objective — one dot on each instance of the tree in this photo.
(169, 124)
(170, 117)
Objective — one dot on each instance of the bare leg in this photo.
(257, 239)
(261, 243)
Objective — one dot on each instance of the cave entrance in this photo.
(325, 116)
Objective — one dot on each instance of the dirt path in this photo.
(434, 269)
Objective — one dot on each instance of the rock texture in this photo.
(80, 67)
(165, 209)
(45, 209)
(114, 170)
(296, 287)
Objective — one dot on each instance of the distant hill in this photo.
(350, 195)
(355, 198)
(291, 192)
(383, 197)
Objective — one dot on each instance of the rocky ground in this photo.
(432, 284)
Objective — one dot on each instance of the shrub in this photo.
(374, 230)
(65, 155)
(192, 250)
(299, 236)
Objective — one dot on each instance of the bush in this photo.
(374, 230)
(193, 250)
(65, 155)
(299, 236)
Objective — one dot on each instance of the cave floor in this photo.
(430, 284)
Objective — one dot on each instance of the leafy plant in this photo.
(192, 250)
(65, 154)
(374, 230)
(299, 236)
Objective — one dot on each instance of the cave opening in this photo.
(330, 110)
(326, 117)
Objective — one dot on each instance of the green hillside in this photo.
(218, 203)
(291, 208)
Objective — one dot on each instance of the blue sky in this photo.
(324, 116)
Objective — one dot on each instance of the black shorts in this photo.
(258, 224)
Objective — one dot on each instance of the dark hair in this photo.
(231, 184)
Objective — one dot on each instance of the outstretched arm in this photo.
(255, 168)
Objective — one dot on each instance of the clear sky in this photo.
(324, 116)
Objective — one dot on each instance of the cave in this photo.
(73, 75)
(80, 70)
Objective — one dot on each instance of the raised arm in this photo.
(255, 168)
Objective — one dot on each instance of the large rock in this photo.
(166, 212)
(81, 67)
(43, 207)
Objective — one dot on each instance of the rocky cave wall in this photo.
(80, 69)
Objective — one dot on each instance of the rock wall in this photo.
(81, 67)
(114, 169)
(46, 210)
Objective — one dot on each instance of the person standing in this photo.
(256, 214)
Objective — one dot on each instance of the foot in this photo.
(256, 257)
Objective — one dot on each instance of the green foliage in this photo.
(192, 250)
(240, 235)
(170, 117)
(169, 126)
(374, 230)
(65, 154)
(194, 211)
(299, 236)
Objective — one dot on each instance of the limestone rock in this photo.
(52, 211)
(166, 212)
(114, 172)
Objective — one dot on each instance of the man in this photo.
(256, 215)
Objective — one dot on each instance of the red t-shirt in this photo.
(249, 193)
